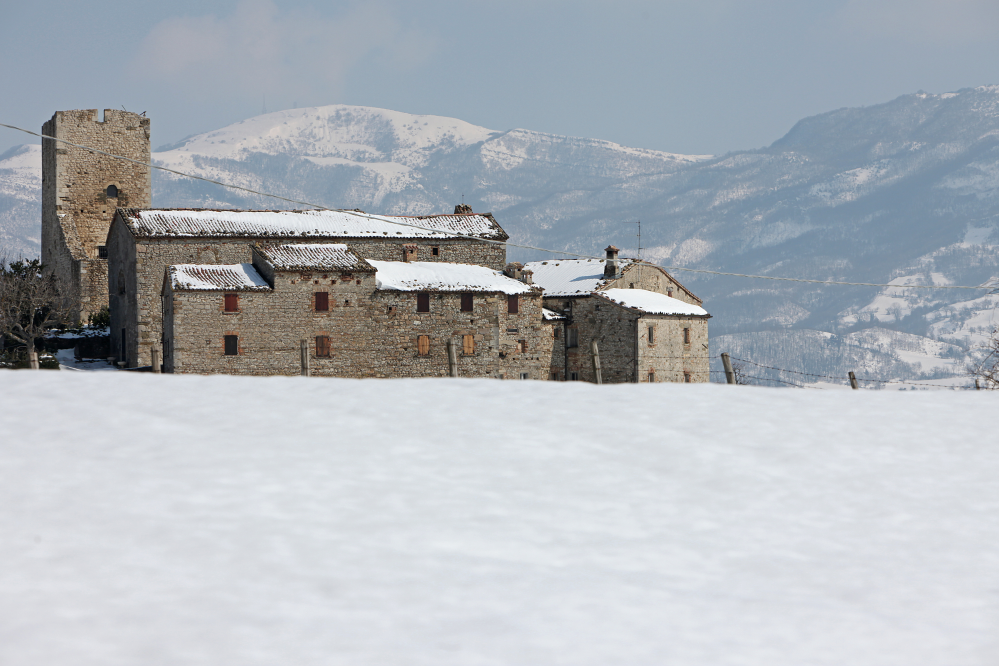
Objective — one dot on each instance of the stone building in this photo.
(648, 327)
(142, 243)
(358, 317)
(80, 192)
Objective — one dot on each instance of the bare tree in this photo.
(986, 370)
(30, 302)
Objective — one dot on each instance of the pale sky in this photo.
(688, 76)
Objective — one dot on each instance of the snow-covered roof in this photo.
(214, 277)
(550, 315)
(441, 276)
(180, 222)
(569, 277)
(317, 256)
(651, 302)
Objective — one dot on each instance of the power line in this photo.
(476, 238)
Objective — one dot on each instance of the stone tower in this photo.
(80, 192)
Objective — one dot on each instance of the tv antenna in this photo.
(639, 223)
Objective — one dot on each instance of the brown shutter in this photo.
(423, 302)
(232, 302)
(322, 301)
(423, 345)
(322, 346)
(468, 345)
(466, 302)
(522, 344)
(513, 304)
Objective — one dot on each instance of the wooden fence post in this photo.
(853, 381)
(452, 359)
(729, 372)
(305, 358)
(596, 362)
(155, 354)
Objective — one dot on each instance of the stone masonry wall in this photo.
(141, 313)
(614, 330)
(651, 278)
(76, 211)
(373, 333)
(667, 355)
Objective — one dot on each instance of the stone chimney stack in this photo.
(527, 277)
(610, 268)
(515, 270)
(462, 209)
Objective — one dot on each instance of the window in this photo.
(669, 292)
(322, 346)
(112, 192)
(423, 345)
(231, 345)
(652, 376)
(556, 332)
(652, 335)
(232, 302)
(322, 301)
(686, 336)
(466, 302)
(554, 376)
(572, 337)
(435, 251)
(631, 285)
(423, 302)
(686, 378)
(522, 345)
(513, 304)
(573, 376)
(468, 345)
(102, 251)
(525, 375)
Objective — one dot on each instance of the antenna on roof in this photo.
(639, 223)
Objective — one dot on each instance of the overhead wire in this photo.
(478, 238)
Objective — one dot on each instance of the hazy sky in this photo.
(704, 76)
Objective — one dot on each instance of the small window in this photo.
(669, 292)
(686, 378)
(112, 192)
(322, 346)
(513, 304)
(231, 345)
(423, 345)
(322, 301)
(423, 302)
(435, 251)
(468, 345)
(556, 332)
(652, 335)
(631, 285)
(102, 251)
(231, 303)
(522, 345)
(466, 302)
(686, 336)
(573, 376)
(652, 376)
(525, 375)
(572, 337)
(554, 376)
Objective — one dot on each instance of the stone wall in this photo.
(613, 328)
(651, 278)
(140, 314)
(76, 210)
(373, 333)
(670, 359)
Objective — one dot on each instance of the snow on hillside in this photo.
(21, 200)
(224, 520)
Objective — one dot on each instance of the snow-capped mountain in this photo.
(903, 192)
(21, 201)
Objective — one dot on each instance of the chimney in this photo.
(463, 209)
(610, 268)
(527, 277)
(514, 270)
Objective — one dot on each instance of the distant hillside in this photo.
(904, 191)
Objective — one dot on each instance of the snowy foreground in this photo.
(153, 519)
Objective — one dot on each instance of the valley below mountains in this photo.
(905, 192)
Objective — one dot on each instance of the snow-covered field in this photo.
(153, 519)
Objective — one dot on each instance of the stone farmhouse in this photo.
(357, 317)
(142, 243)
(340, 293)
(648, 327)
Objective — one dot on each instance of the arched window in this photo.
(112, 191)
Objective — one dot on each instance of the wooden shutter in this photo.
(423, 345)
(231, 345)
(468, 345)
(652, 335)
(423, 302)
(322, 301)
(466, 302)
(322, 346)
(232, 302)
(513, 304)
(522, 344)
